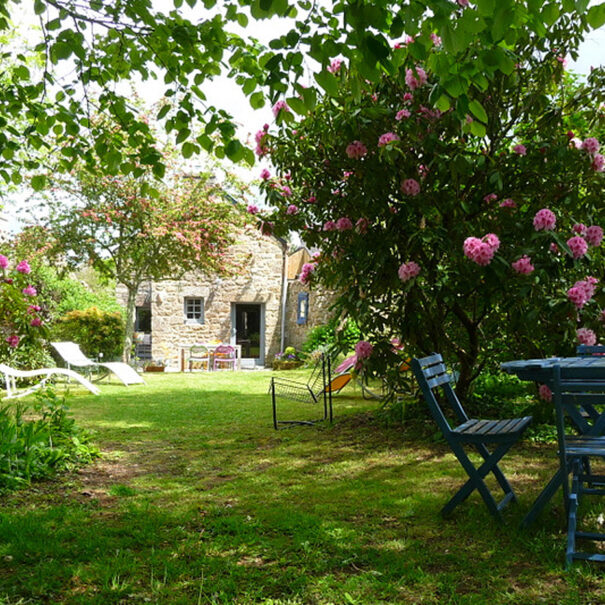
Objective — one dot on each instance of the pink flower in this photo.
(576, 296)
(311, 199)
(417, 80)
(23, 267)
(554, 248)
(462, 3)
(356, 150)
(594, 235)
(578, 246)
(470, 246)
(265, 174)
(492, 240)
(292, 209)
(579, 228)
(402, 113)
(286, 191)
(545, 219)
(490, 197)
(582, 291)
(386, 138)
(252, 208)
(408, 97)
(591, 145)
(362, 225)
(478, 251)
(13, 341)
(344, 224)
(523, 265)
(575, 142)
(408, 271)
(520, 149)
(598, 162)
(306, 272)
(363, 349)
(586, 337)
(3, 262)
(508, 203)
(36, 322)
(436, 39)
(335, 66)
(33, 309)
(545, 392)
(410, 187)
(280, 106)
(29, 291)
(329, 226)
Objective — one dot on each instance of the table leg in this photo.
(542, 500)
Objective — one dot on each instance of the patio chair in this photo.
(224, 355)
(319, 388)
(11, 375)
(571, 396)
(432, 377)
(199, 354)
(72, 355)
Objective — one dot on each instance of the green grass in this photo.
(198, 500)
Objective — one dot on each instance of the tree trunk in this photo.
(130, 317)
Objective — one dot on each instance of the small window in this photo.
(302, 313)
(194, 310)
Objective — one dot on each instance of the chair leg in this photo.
(502, 480)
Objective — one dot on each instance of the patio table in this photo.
(184, 348)
(541, 370)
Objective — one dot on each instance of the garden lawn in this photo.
(197, 499)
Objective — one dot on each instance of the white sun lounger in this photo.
(73, 356)
(10, 376)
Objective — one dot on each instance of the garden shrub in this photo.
(328, 336)
(96, 331)
(38, 439)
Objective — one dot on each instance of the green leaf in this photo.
(297, 105)
(188, 149)
(477, 129)
(486, 7)
(328, 82)
(443, 103)
(234, 150)
(38, 182)
(163, 111)
(477, 110)
(596, 16)
(257, 100)
(582, 5)
(455, 86)
(550, 13)
(39, 7)
(183, 134)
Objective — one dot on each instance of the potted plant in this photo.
(288, 359)
(155, 365)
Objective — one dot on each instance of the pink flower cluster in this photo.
(29, 291)
(13, 341)
(280, 106)
(416, 80)
(344, 224)
(356, 150)
(490, 197)
(508, 203)
(545, 220)
(594, 235)
(408, 271)
(292, 209)
(582, 291)
(586, 337)
(386, 138)
(252, 208)
(410, 187)
(306, 272)
(261, 147)
(402, 113)
(329, 226)
(363, 349)
(591, 145)
(481, 251)
(520, 149)
(545, 392)
(3, 261)
(523, 265)
(265, 174)
(578, 246)
(362, 225)
(335, 66)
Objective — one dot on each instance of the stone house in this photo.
(263, 308)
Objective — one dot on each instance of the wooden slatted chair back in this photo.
(587, 350)
(432, 376)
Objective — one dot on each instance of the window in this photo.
(302, 313)
(194, 310)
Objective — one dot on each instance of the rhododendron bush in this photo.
(475, 232)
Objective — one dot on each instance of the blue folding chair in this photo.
(501, 435)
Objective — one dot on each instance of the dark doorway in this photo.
(248, 330)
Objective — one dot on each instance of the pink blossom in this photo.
(586, 337)
(344, 224)
(356, 150)
(306, 272)
(462, 3)
(29, 291)
(362, 225)
(402, 113)
(470, 246)
(33, 309)
(579, 228)
(479, 251)
(13, 341)
(335, 66)
(591, 145)
(520, 149)
(575, 142)
(492, 240)
(582, 291)
(252, 208)
(578, 246)
(23, 267)
(410, 187)
(280, 106)
(594, 235)
(436, 39)
(292, 209)
(386, 138)
(545, 392)
(545, 219)
(408, 97)
(408, 271)
(329, 226)
(363, 349)
(36, 322)
(286, 191)
(3, 262)
(415, 81)
(490, 197)
(523, 265)
(311, 199)
(265, 174)
(554, 248)
(598, 162)
(508, 203)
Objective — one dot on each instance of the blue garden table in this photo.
(541, 370)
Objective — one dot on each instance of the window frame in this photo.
(193, 305)
(302, 308)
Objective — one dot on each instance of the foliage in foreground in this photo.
(38, 439)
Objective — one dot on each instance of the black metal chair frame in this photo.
(432, 375)
(314, 391)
